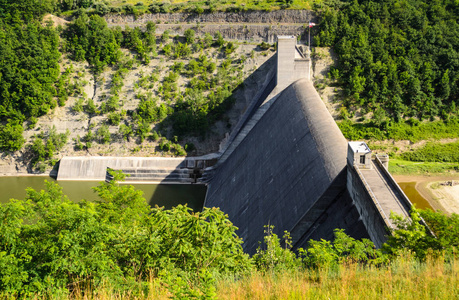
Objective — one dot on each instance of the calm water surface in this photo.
(167, 195)
(409, 188)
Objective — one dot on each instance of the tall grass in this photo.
(404, 278)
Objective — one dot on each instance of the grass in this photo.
(411, 130)
(403, 278)
(404, 167)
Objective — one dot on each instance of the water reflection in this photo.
(167, 195)
(409, 188)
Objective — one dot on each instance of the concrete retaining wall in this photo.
(153, 169)
(375, 224)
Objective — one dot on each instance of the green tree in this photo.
(11, 138)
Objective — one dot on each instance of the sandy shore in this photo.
(440, 197)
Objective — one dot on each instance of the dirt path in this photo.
(440, 197)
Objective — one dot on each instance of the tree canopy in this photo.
(400, 55)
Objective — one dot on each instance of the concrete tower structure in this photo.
(292, 64)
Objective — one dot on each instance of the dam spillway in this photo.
(289, 171)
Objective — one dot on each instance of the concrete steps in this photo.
(158, 175)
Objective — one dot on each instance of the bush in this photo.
(103, 135)
(189, 36)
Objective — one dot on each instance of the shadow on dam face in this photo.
(171, 195)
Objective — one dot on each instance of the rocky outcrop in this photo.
(272, 17)
(254, 26)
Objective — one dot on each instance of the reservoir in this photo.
(167, 195)
(409, 188)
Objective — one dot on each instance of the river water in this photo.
(167, 195)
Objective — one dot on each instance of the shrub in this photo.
(103, 135)
(189, 36)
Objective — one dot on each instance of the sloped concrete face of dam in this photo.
(290, 172)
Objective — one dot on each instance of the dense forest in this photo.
(397, 59)
(53, 247)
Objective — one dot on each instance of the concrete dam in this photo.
(293, 169)
(286, 164)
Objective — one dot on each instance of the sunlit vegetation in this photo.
(398, 166)
(411, 130)
(29, 69)
(118, 246)
(402, 58)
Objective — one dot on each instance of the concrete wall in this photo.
(375, 224)
(291, 64)
(153, 169)
(285, 60)
(283, 168)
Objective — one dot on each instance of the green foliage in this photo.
(44, 147)
(78, 106)
(397, 166)
(445, 228)
(89, 38)
(320, 254)
(189, 36)
(408, 130)
(111, 105)
(103, 135)
(181, 50)
(264, 46)
(411, 235)
(143, 43)
(434, 152)
(219, 41)
(274, 257)
(230, 48)
(29, 66)
(126, 132)
(114, 118)
(11, 137)
(51, 246)
(400, 57)
(91, 107)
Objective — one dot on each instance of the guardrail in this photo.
(404, 197)
(394, 183)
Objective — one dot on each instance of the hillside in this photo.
(180, 96)
(160, 79)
